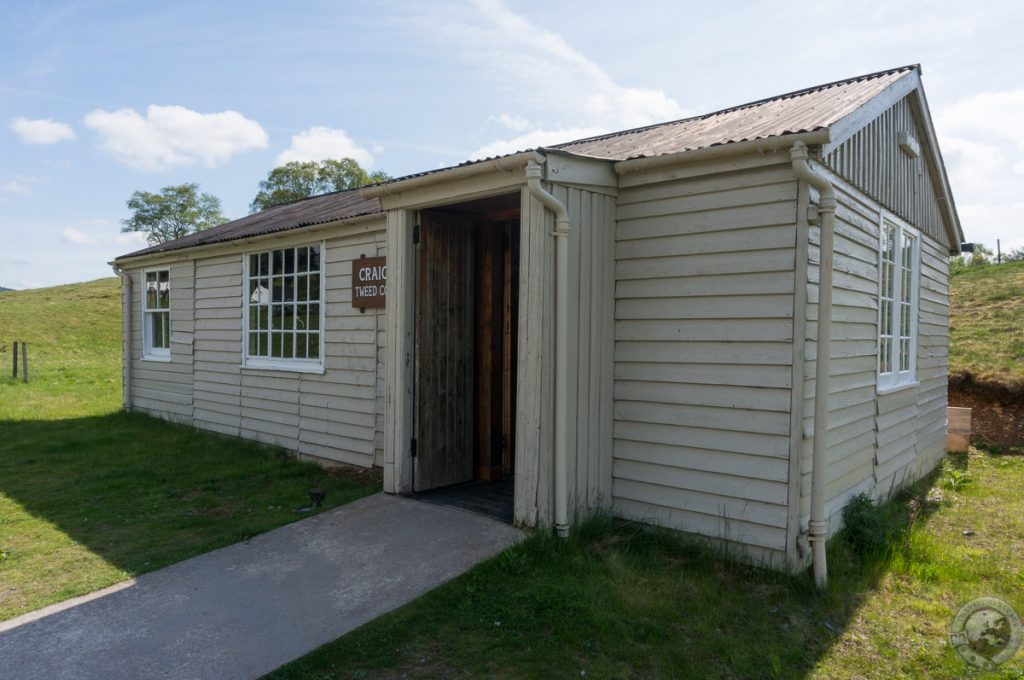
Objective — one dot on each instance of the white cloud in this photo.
(532, 140)
(983, 147)
(132, 239)
(321, 143)
(575, 87)
(991, 116)
(42, 130)
(169, 136)
(76, 237)
(19, 185)
(517, 123)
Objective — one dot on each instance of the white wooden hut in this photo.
(627, 322)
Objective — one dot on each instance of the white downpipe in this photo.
(534, 174)
(818, 525)
(126, 333)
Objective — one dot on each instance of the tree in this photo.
(293, 181)
(174, 212)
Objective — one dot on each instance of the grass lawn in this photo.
(619, 601)
(987, 323)
(90, 495)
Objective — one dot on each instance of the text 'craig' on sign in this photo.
(369, 281)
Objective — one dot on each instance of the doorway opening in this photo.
(467, 302)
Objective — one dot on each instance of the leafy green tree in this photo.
(295, 180)
(174, 212)
(982, 255)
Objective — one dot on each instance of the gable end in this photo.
(876, 160)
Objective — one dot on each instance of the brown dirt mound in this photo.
(997, 414)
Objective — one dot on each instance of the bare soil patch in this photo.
(997, 410)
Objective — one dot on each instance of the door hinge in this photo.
(412, 446)
(416, 235)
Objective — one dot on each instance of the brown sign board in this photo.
(369, 279)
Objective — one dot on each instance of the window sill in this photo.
(157, 358)
(897, 388)
(286, 368)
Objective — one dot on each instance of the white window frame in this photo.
(895, 329)
(149, 352)
(281, 363)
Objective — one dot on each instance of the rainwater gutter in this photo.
(818, 525)
(126, 329)
(765, 145)
(534, 174)
(503, 164)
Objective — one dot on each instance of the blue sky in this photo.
(98, 99)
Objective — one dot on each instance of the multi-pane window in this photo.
(283, 306)
(156, 315)
(897, 328)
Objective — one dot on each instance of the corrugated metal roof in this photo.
(304, 213)
(805, 110)
(801, 111)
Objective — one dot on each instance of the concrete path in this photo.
(244, 610)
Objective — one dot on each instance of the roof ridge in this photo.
(740, 107)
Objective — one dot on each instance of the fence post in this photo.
(14, 371)
(24, 361)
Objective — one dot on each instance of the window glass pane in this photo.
(282, 325)
(159, 335)
(151, 294)
(150, 277)
(164, 294)
(164, 276)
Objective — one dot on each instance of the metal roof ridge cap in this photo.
(503, 163)
(764, 144)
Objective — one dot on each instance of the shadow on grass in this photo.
(140, 493)
(617, 599)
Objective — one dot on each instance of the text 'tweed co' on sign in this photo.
(369, 281)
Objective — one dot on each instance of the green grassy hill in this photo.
(987, 323)
(74, 348)
(91, 495)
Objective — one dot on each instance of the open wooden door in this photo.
(497, 301)
(444, 351)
